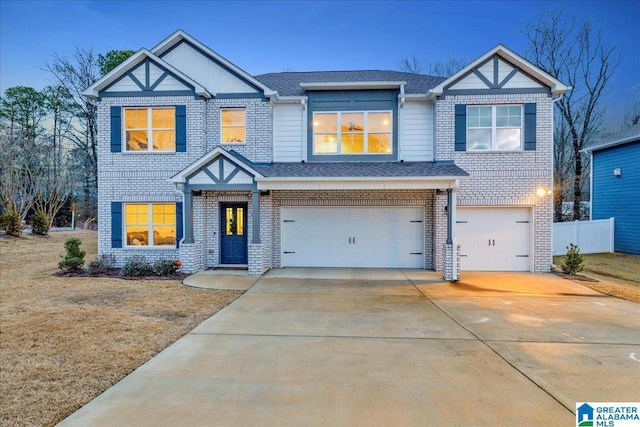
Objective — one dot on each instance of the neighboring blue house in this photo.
(615, 186)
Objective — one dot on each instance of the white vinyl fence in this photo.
(591, 237)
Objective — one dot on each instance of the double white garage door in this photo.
(352, 237)
(491, 239)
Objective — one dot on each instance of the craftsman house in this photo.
(201, 161)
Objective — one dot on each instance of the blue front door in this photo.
(233, 233)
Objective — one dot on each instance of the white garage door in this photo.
(352, 237)
(494, 239)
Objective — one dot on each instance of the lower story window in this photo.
(150, 224)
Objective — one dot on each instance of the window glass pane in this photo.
(352, 122)
(507, 139)
(508, 115)
(136, 140)
(240, 221)
(379, 143)
(233, 117)
(327, 143)
(479, 116)
(137, 224)
(164, 140)
(163, 118)
(164, 213)
(352, 143)
(164, 235)
(478, 139)
(230, 226)
(233, 125)
(135, 118)
(379, 122)
(325, 122)
(233, 134)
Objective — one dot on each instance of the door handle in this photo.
(354, 240)
(349, 240)
(492, 242)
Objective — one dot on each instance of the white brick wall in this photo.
(142, 177)
(504, 178)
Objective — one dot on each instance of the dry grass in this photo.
(64, 340)
(618, 274)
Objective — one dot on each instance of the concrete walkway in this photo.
(388, 347)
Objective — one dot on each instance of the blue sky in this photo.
(264, 36)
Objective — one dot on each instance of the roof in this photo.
(360, 169)
(288, 83)
(625, 136)
(556, 86)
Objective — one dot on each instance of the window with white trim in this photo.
(494, 127)
(352, 132)
(150, 224)
(150, 129)
(233, 125)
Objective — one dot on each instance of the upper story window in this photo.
(352, 132)
(150, 129)
(150, 224)
(233, 125)
(494, 127)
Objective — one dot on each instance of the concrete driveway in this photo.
(388, 347)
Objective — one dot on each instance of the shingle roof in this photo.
(288, 83)
(629, 134)
(360, 169)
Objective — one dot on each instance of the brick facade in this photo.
(504, 178)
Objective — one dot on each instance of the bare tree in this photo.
(632, 108)
(446, 68)
(576, 55)
(411, 65)
(76, 74)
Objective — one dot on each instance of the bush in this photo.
(102, 264)
(74, 259)
(40, 224)
(10, 223)
(573, 261)
(165, 267)
(136, 266)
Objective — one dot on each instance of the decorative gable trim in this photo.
(219, 169)
(486, 70)
(129, 69)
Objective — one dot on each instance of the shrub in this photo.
(165, 267)
(102, 264)
(40, 224)
(136, 266)
(74, 259)
(573, 261)
(10, 223)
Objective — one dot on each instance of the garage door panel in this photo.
(494, 239)
(352, 237)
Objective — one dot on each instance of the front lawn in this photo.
(64, 340)
(619, 273)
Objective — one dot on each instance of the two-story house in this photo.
(203, 162)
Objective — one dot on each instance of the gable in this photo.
(207, 70)
(495, 74)
(149, 77)
(220, 171)
(499, 71)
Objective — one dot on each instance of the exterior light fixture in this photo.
(617, 172)
(541, 192)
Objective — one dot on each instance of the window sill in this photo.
(493, 151)
(141, 247)
(148, 153)
(226, 144)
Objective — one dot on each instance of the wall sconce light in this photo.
(617, 172)
(541, 192)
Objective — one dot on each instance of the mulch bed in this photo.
(116, 274)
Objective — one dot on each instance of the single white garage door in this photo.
(494, 239)
(377, 237)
